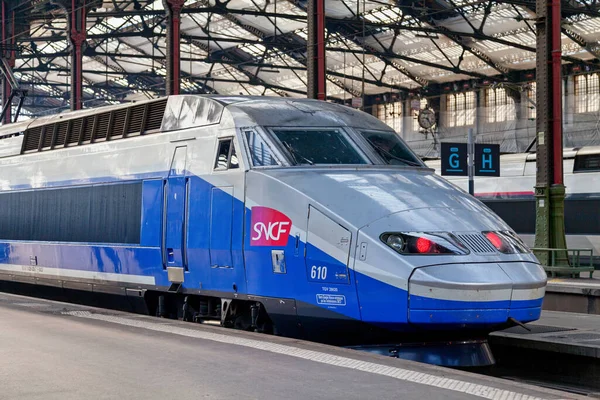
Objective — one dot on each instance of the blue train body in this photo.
(291, 216)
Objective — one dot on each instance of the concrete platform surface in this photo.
(51, 350)
(579, 295)
(555, 331)
(562, 349)
(576, 285)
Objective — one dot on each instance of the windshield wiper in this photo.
(384, 153)
(294, 153)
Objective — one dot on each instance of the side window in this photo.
(233, 160)
(226, 156)
(587, 163)
(259, 150)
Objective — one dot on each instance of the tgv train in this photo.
(511, 195)
(297, 217)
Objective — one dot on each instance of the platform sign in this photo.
(487, 159)
(454, 159)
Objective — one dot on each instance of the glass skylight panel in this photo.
(429, 57)
(526, 38)
(384, 15)
(254, 49)
(490, 46)
(589, 26)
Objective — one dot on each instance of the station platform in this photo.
(578, 295)
(560, 347)
(55, 350)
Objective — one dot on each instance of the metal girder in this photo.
(316, 82)
(593, 49)
(415, 60)
(172, 59)
(382, 55)
(464, 43)
(142, 53)
(566, 10)
(296, 38)
(353, 34)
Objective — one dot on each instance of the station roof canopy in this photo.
(258, 47)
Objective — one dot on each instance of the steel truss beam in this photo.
(277, 42)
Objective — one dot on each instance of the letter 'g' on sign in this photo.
(269, 227)
(454, 159)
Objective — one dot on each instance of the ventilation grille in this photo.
(155, 115)
(88, 129)
(73, 136)
(32, 139)
(102, 127)
(136, 118)
(125, 122)
(61, 133)
(477, 243)
(118, 123)
(48, 134)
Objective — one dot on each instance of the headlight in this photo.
(506, 242)
(424, 243)
(396, 242)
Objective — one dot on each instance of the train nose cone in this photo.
(475, 294)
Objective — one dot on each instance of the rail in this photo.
(574, 255)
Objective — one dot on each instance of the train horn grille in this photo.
(477, 243)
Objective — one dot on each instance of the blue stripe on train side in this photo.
(380, 302)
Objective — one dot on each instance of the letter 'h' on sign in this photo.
(487, 159)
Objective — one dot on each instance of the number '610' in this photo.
(318, 272)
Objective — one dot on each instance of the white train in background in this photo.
(512, 195)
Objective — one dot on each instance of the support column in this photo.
(173, 10)
(77, 35)
(549, 189)
(315, 66)
(8, 34)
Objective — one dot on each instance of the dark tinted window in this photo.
(318, 147)
(226, 156)
(587, 163)
(104, 214)
(389, 146)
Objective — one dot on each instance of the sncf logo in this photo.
(269, 227)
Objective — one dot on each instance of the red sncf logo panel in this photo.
(269, 227)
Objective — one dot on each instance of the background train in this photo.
(297, 217)
(511, 195)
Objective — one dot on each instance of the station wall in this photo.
(505, 114)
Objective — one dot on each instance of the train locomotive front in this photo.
(371, 241)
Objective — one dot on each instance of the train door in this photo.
(226, 220)
(327, 256)
(327, 250)
(174, 217)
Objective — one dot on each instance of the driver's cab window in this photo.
(226, 156)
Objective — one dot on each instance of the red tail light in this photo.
(495, 240)
(506, 242)
(424, 245)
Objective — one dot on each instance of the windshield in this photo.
(260, 152)
(391, 149)
(318, 146)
